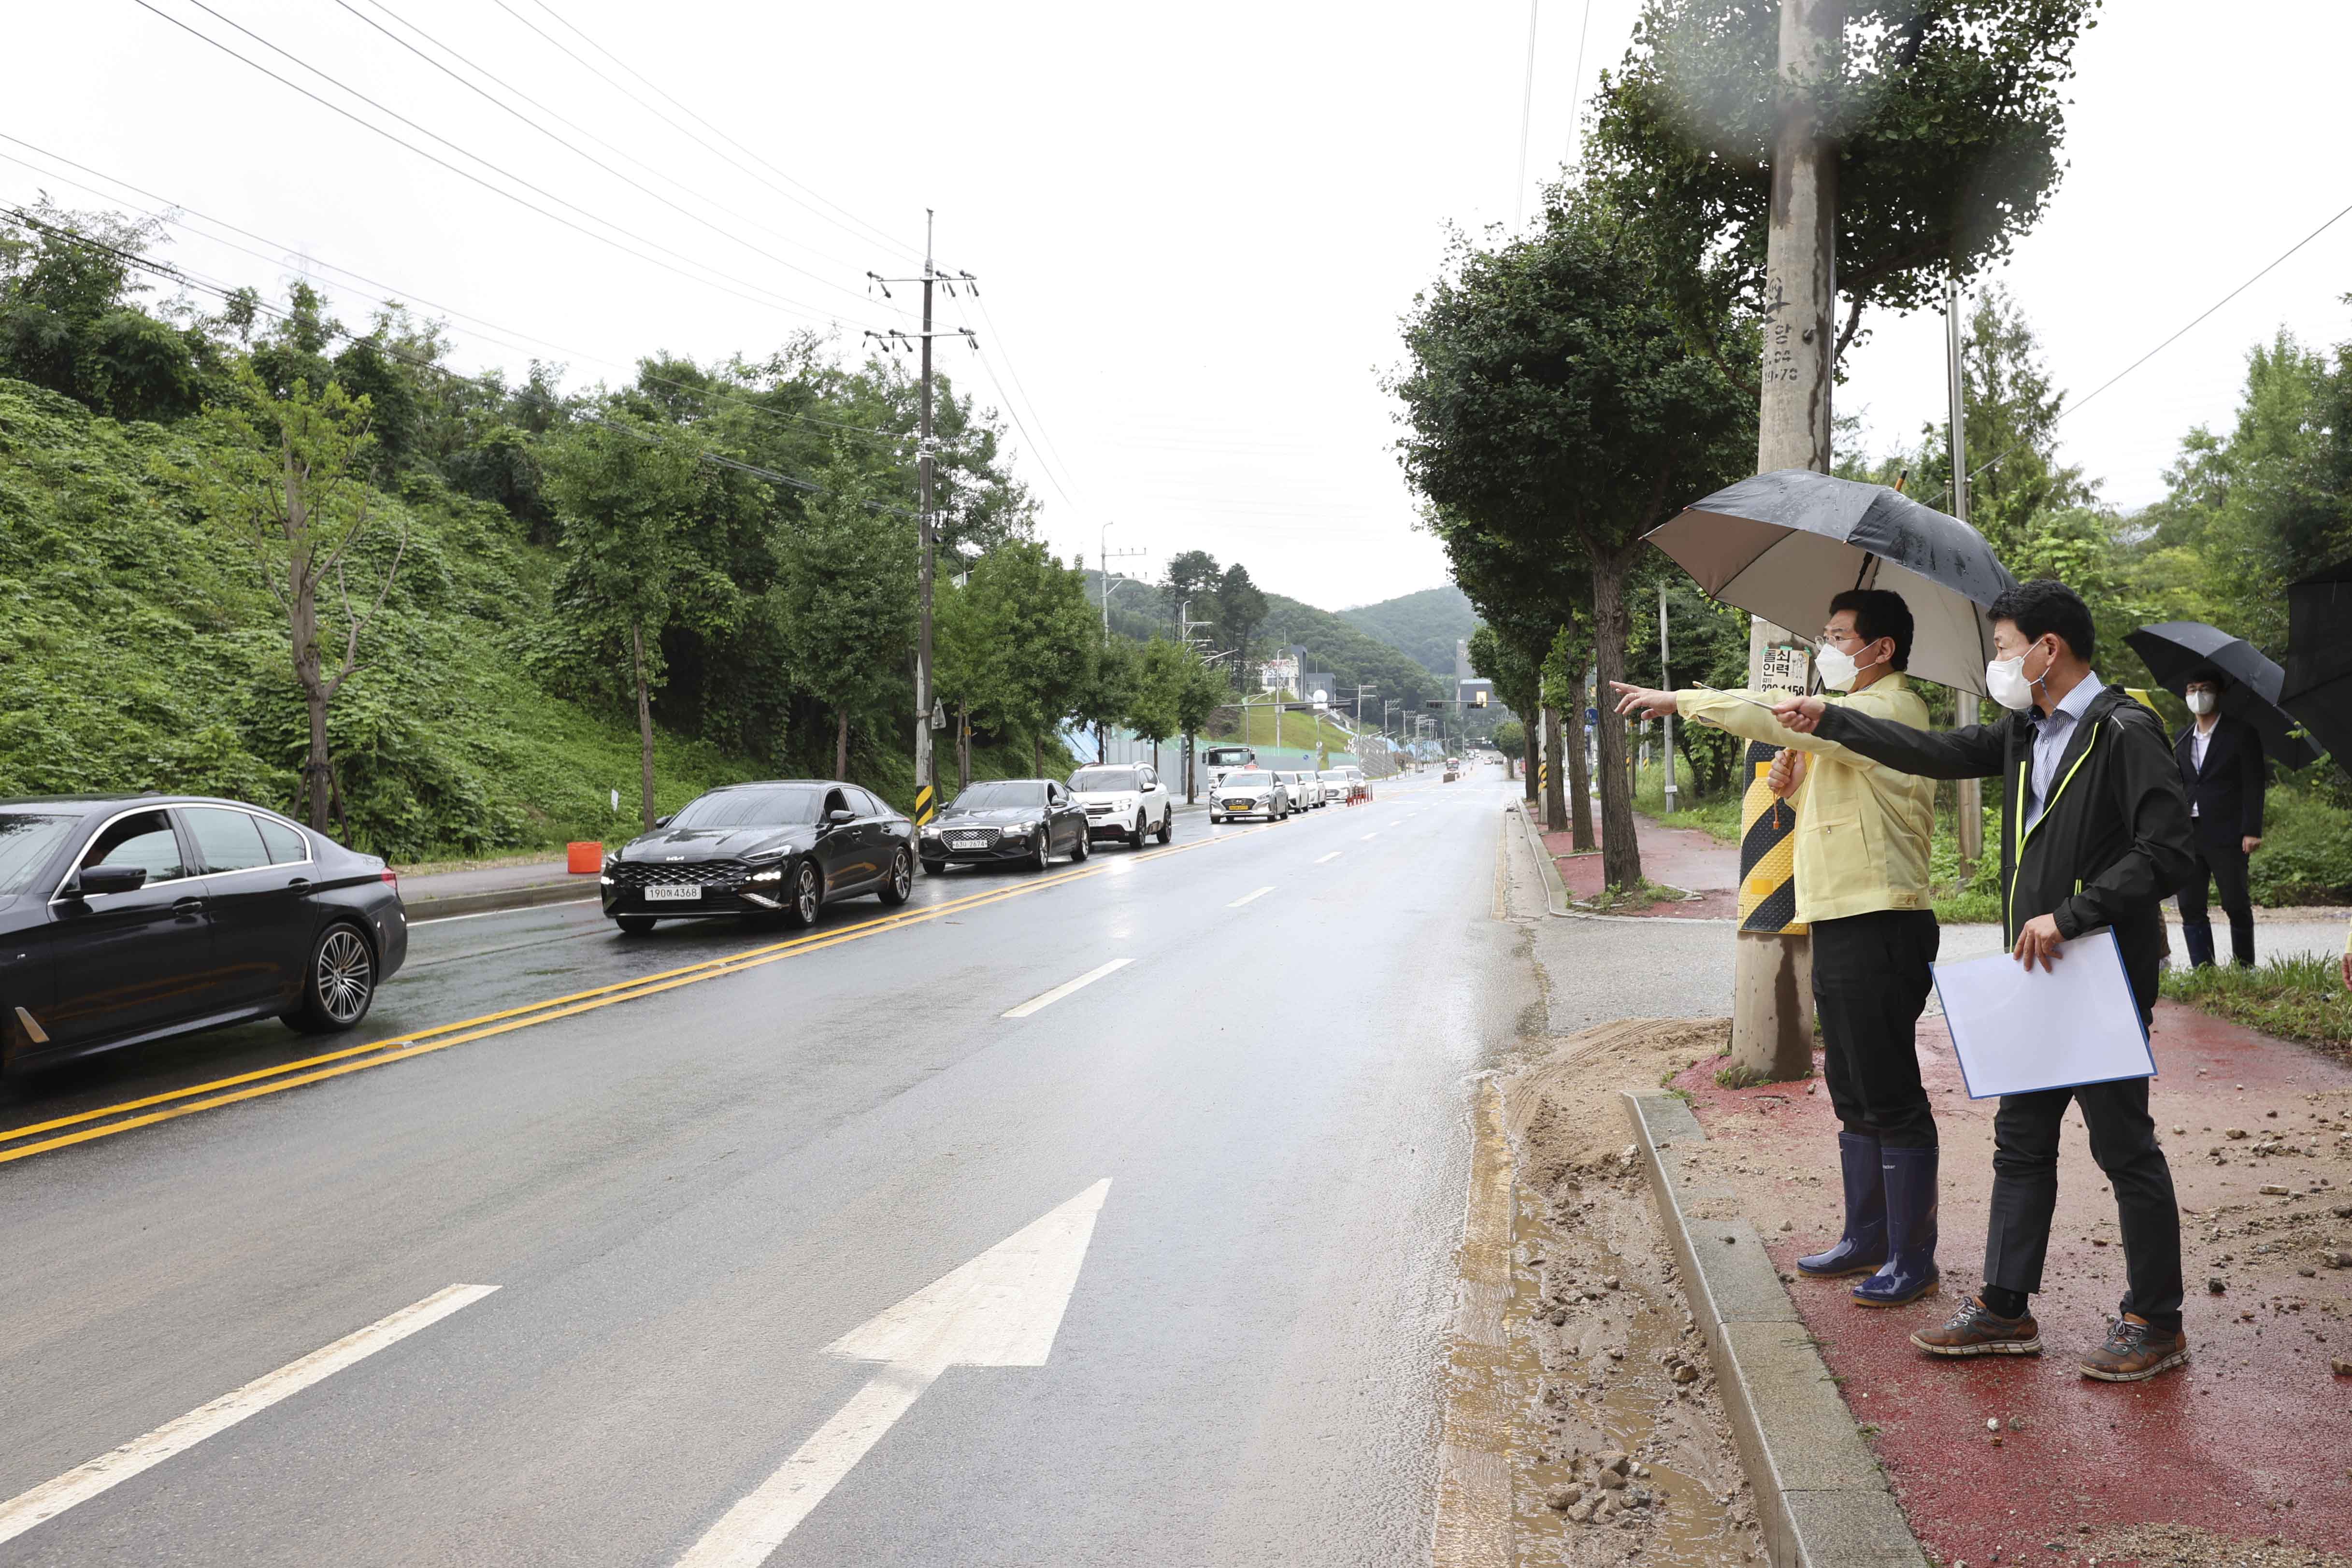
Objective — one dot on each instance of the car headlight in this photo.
(767, 873)
(1014, 835)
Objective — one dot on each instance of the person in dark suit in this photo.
(2222, 769)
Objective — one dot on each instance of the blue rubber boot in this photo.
(1863, 1248)
(1910, 1271)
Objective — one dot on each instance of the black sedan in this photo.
(124, 918)
(1024, 821)
(781, 848)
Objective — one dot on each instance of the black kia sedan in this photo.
(782, 848)
(124, 918)
(1024, 821)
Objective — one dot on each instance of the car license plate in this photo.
(1240, 805)
(674, 892)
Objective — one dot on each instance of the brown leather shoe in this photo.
(2136, 1350)
(1977, 1330)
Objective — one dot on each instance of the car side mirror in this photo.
(661, 822)
(837, 818)
(97, 879)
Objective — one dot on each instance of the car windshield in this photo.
(752, 808)
(1333, 773)
(1226, 756)
(1246, 779)
(27, 839)
(1096, 779)
(996, 796)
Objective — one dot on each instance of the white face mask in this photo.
(2200, 703)
(2005, 680)
(1839, 672)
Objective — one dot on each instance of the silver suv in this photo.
(1125, 800)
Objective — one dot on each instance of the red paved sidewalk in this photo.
(2252, 1440)
(1673, 857)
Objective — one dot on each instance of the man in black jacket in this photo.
(2095, 833)
(2222, 769)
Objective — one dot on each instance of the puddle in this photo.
(1628, 1404)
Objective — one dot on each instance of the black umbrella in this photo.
(1782, 545)
(2174, 650)
(2318, 687)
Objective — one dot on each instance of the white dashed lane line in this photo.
(1066, 988)
(1247, 897)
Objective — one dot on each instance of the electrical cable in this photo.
(873, 233)
(774, 301)
(1527, 111)
(2273, 265)
(389, 294)
(509, 109)
(1576, 87)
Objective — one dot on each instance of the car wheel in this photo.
(1082, 849)
(339, 986)
(633, 924)
(806, 898)
(901, 883)
(1142, 830)
(1215, 821)
(1167, 824)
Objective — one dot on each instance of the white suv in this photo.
(1125, 800)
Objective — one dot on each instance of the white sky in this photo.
(1195, 229)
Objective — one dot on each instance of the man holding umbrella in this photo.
(2094, 834)
(1861, 839)
(2220, 760)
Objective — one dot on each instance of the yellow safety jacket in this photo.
(1861, 827)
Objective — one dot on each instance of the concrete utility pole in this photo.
(1772, 993)
(927, 763)
(1667, 680)
(1969, 800)
(1102, 570)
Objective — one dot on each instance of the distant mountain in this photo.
(1424, 625)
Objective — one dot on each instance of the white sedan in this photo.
(1306, 790)
(1249, 792)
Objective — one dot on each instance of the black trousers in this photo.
(2025, 1192)
(1870, 985)
(2226, 864)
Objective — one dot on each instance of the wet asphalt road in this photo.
(684, 1197)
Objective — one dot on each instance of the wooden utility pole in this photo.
(1772, 995)
(1969, 800)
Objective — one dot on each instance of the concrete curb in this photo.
(529, 896)
(1821, 1498)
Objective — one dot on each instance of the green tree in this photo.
(1518, 681)
(1026, 641)
(845, 597)
(620, 491)
(1154, 712)
(1946, 117)
(1106, 697)
(67, 320)
(290, 478)
(1193, 576)
(1241, 610)
(2012, 414)
(1201, 692)
(1550, 400)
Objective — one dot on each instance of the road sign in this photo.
(1001, 1309)
(938, 716)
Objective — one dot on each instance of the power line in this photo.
(854, 224)
(1048, 458)
(2270, 267)
(390, 294)
(1527, 111)
(509, 109)
(1576, 87)
(773, 301)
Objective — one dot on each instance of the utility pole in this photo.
(1102, 570)
(1968, 798)
(1772, 993)
(927, 764)
(1666, 679)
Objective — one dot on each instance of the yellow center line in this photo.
(423, 1042)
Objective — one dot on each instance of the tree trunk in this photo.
(1620, 851)
(963, 748)
(645, 724)
(1102, 743)
(841, 741)
(1554, 784)
(1532, 744)
(1037, 755)
(1580, 780)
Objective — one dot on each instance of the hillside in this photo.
(140, 651)
(1426, 626)
(1140, 611)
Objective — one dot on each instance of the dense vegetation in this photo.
(1425, 625)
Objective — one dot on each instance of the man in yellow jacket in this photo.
(1863, 830)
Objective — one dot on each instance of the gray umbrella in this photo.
(2318, 687)
(1782, 545)
(2175, 650)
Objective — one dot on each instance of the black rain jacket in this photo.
(2114, 840)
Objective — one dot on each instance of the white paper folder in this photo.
(2018, 1030)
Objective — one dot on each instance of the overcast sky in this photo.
(1195, 227)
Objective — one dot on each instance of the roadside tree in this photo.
(844, 599)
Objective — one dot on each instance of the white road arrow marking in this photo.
(1001, 1309)
(83, 1482)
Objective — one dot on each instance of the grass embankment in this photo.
(142, 650)
(2300, 999)
(1300, 731)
